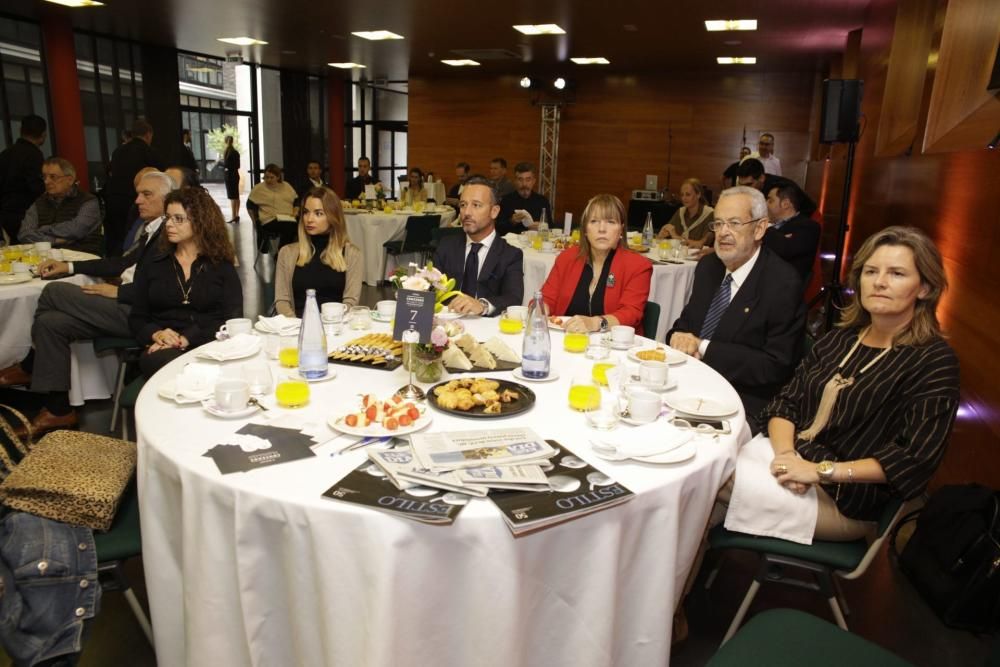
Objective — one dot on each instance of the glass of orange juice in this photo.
(292, 392)
(511, 323)
(599, 373)
(584, 394)
(288, 351)
(575, 342)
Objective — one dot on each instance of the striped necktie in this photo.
(718, 306)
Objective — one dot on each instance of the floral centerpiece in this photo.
(425, 359)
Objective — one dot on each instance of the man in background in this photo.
(522, 209)
(64, 215)
(792, 236)
(21, 175)
(313, 179)
(498, 176)
(765, 153)
(356, 186)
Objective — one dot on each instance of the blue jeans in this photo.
(48, 587)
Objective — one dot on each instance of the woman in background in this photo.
(690, 222)
(324, 259)
(231, 162)
(275, 202)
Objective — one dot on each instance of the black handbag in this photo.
(953, 556)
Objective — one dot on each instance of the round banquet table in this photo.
(258, 568)
(91, 377)
(369, 231)
(669, 287)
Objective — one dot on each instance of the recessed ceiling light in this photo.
(375, 35)
(731, 24)
(737, 61)
(346, 65)
(240, 41)
(526, 82)
(591, 61)
(77, 3)
(460, 63)
(540, 29)
(559, 83)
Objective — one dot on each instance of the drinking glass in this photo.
(584, 394)
(575, 342)
(288, 351)
(599, 346)
(258, 376)
(292, 392)
(361, 318)
(511, 323)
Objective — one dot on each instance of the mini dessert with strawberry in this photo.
(391, 414)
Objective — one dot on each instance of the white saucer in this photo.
(701, 407)
(658, 388)
(379, 318)
(447, 315)
(209, 406)
(15, 278)
(615, 345)
(635, 422)
(331, 373)
(551, 377)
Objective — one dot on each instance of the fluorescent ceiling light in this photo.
(460, 63)
(737, 61)
(559, 83)
(375, 35)
(240, 41)
(591, 61)
(731, 24)
(77, 3)
(346, 65)
(540, 29)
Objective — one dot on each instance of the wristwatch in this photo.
(604, 325)
(825, 471)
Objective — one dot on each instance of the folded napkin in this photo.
(196, 381)
(761, 506)
(646, 440)
(279, 324)
(513, 239)
(237, 347)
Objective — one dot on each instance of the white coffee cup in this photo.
(547, 246)
(237, 326)
(332, 310)
(386, 309)
(654, 373)
(519, 312)
(232, 395)
(622, 334)
(43, 246)
(19, 267)
(643, 406)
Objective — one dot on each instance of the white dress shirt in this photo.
(483, 251)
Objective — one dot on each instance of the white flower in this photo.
(415, 283)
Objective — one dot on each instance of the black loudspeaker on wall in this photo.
(841, 110)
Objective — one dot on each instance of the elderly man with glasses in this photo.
(65, 216)
(745, 317)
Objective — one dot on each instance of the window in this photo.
(23, 89)
(376, 127)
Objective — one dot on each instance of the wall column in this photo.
(335, 131)
(66, 124)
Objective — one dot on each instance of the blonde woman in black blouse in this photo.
(324, 259)
(866, 417)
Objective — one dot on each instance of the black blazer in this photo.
(112, 267)
(126, 162)
(796, 243)
(501, 278)
(216, 296)
(758, 341)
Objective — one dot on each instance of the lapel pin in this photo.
(611, 280)
(746, 310)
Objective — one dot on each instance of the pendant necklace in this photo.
(185, 293)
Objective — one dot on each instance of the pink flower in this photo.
(438, 337)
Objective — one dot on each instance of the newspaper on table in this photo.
(400, 466)
(457, 450)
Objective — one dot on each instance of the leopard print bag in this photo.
(69, 476)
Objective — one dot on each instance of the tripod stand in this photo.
(831, 295)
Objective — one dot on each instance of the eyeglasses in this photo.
(734, 225)
(178, 219)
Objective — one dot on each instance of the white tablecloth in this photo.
(369, 231)
(91, 378)
(258, 569)
(670, 286)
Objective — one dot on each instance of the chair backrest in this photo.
(650, 319)
(419, 229)
(439, 233)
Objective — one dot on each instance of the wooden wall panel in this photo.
(616, 131)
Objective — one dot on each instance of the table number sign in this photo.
(414, 312)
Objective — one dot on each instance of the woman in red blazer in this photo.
(602, 283)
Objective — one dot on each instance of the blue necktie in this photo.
(715, 311)
(470, 279)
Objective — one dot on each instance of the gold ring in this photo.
(781, 469)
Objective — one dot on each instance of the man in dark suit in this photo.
(356, 186)
(488, 271)
(792, 236)
(313, 179)
(745, 317)
(119, 193)
(21, 175)
(67, 313)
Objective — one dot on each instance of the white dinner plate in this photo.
(558, 327)
(698, 406)
(15, 278)
(211, 408)
(674, 357)
(377, 430)
(446, 315)
(551, 377)
(675, 455)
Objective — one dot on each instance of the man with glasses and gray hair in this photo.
(745, 317)
(68, 313)
(65, 216)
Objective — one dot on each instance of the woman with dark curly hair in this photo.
(187, 292)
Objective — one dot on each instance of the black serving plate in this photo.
(523, 404)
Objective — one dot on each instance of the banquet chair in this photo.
(416, 238)
(826, 561)
(650, 319)
(790, 638)
(440, 233)
(262, 237)
(120, 543)
(129, 397)
(128, 351)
